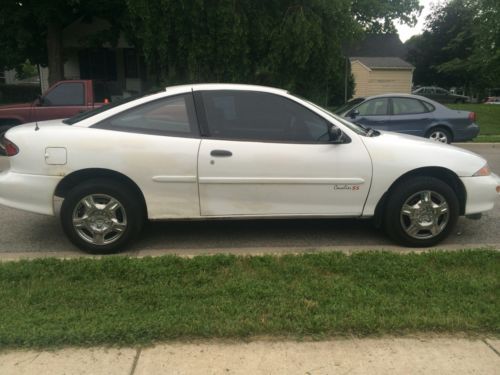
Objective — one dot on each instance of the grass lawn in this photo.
(127, 301)
(488, 118)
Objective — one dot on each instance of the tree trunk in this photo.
(54, 52)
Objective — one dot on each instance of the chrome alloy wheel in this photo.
(424, 215)
(99, 219)
(439, 136)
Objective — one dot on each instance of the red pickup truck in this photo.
(63, 99)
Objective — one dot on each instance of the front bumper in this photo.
(481, 193)
(28, 192)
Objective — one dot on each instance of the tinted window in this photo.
(71, 93)
(171, 116)
(405, 106)
(374, 107)
(441, 92)
(248, 115)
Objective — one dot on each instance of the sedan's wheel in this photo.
(101, 217)
(439, 135)
(421, 212)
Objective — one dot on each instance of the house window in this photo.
(98, 63)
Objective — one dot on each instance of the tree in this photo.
(32, 29)
(295, 44)
(377, 16)
(460, 46)
(287, 43)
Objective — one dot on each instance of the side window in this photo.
(406, 106)
(441, 92)
(258, 116)
(65, 94)
(170, 116)
(374, 107)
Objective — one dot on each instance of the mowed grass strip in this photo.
(488, 118)
(127, 301)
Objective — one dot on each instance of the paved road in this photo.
(31, 235)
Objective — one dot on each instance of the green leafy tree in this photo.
(460, 46)
(295, 44)
(32, 29)
(286, 43)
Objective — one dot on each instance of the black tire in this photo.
(432, 133)
(129, 217)
(397, 224)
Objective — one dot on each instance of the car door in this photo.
(264, 154)
(156, 144)
(409, 116)
(373, 113)
(62, 101)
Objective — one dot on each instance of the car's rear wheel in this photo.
(439, 135)
(101, 216)
(421, 212)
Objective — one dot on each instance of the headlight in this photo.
(484, 171)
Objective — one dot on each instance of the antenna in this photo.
(36, 120)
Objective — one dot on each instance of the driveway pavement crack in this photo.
(491, 347)
(136, 360)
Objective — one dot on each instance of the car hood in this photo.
(392, 149)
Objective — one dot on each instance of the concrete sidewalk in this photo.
(342, 356)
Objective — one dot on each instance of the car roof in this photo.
(225, 86)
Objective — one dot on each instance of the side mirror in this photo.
(354, 113)
(335, 135)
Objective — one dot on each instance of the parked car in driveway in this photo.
(411, 114)
(440, 95)
(63, 99)
(235, 151)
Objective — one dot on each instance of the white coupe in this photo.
(235, 151)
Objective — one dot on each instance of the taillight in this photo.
(472, 116)
(10, 148)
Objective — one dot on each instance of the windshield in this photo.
(85, 115)
(348, 106)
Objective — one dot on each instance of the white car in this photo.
(235, 151)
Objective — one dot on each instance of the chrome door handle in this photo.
(221, 153)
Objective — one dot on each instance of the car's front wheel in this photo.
(101, 216)
(421, 212)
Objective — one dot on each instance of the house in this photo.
(378, 67)
(120, 66)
